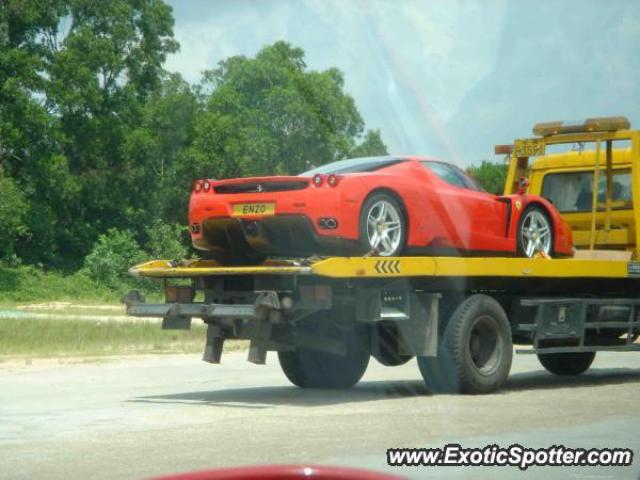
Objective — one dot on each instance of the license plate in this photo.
(530, 147)
(241, 209)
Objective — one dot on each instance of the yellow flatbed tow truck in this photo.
(460, 316)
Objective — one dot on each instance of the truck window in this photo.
(572, 191)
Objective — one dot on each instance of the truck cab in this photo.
(588, 170)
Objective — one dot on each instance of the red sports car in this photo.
(380, 205)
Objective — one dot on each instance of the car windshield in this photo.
(354, 165)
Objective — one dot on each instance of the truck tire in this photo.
(573, 363)
(385, 335)
(310, 368)
(475, 349)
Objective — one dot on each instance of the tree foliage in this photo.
(490, 176)
(13, 215)
(75, 76)
(112, 255)
(271, 115)
(372, 145)
(166, 240)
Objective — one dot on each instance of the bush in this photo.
(111, 257)
(27, 283)
(165, 241)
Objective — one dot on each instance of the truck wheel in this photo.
(474, 350)
(310, 368)
(385, 351)
(573, 363)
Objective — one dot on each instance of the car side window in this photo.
(468, 181)
(446, 173)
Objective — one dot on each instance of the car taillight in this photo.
(206, 186)
(317, 180)
(197, 185)
(332, 180)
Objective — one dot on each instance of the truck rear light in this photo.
(179, 294)
(317, 180)
(197, 185)
(319, 294)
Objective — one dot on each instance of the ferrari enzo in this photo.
(384, 206)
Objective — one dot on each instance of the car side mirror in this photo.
(522, 185)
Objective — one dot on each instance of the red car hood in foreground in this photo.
(285, 472)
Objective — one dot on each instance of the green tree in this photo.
(107, 65)
(75, 76)
(158, 148)
(13, 214)
(271, 115)
(28, 134)
(23, 60)
(371, 145)
(490, 176)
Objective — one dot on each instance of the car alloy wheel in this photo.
(535, 233)
(384, 227)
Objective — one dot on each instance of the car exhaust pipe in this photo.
(328, 223)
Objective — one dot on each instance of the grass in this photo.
(81, 327)
(68, 309)
(31, 337)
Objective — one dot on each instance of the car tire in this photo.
(523, 239)
(396, 225)
(567, 364)
(474, 351)
(310, 368)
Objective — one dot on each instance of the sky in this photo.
(441, 78)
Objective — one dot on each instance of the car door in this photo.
(478, 218)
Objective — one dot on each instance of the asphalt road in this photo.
(145, 416)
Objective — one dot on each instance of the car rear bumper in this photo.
(278, 235)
